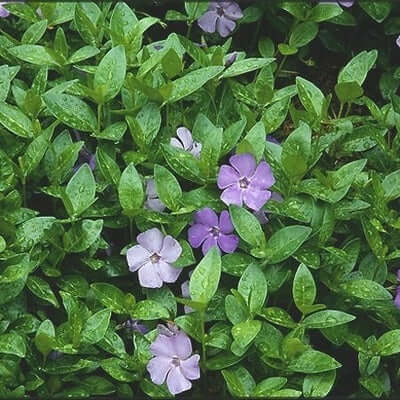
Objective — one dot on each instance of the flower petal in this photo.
(208, 244)
(208, 21)
(245, 164)
(227, 176)
(137, 256)
(167, 272)
(181, 345)
(206, 216)
(185, 136)
(185, 289)
(155, 205)
(176, 382)
(196, 149)
(149, 276)
(228, 243)
(197, 234)
(151, 190)
(233, 11)
(232, 195)
(255, 198)
(162, 347)
(171, 249)
(3, 12)
(151, 240)
(190, 367)
(176, 143)
(225, 223)
(263, 178)
(397, 298)
(158, 368)
(398, 41)
(225, 26)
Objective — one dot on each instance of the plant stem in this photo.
(131, 229)
(24, 190)
(348, 109)
(203, 338)
(281, 66)
(340, 111)
(99, 110)
(189, 31)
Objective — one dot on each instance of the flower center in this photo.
(214, 231)
(176, 362)
(244, 183)
(220, 11)
(155, 258)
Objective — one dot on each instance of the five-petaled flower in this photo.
(208, 231)
(153, 257)
(220, 17)
(173, 361)
(153, 202)
(245, 182)
(185, 142)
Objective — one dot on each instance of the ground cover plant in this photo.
(199, 199)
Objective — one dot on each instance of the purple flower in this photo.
(153, 202)
(208, 231)
(85, 157)
(55, 355)
(186, 142)
(344, 3)
(271, 139)
(245, 182)
(153, 257)
(230, 58)
(397, 296)
(221, 17)
(261, 214)
(135, 325)
(3, 11)
(186, 294)
(173, 361)
(398, 41)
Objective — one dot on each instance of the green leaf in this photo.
(357, 68)
(83, 53)
(205, 278)
(253, 287)
(130, 189)
(12, 343)
(348, 91)
(117, 369)
(148, 310)
(45, 337)
(113, 132)
(171, 63)
(318, 385)
(82, 235)
(313, 362)
(222, 360)
(245, 332)
(81, 190)
(303, 34)
(95, 327)
(253, 142)
(275, 114)
(296, 152)
(247, 226)
(35, 54)
(310, 96)
(192, 82)
(388, 344)
(268, 386)
(236, 310)
(239, 381)
(122, 24)
(278, 316)
(110, 296)
(195, 9)
(107, 166)
(283, 243)
(324, 12)
(327, 319)
(168, 188)
(13, 119)
(379, 11)
(244, 66)
(365, 289)
(304, 290)
(391, 185)
(148, 125)
(34, 33)
(40, 288)
(110, 74)
(72, 111)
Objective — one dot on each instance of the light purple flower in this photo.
(262, 214)
(245, 182)
(344, 3)
(208, 231)
(3, 11)
(271, 139)
(185, 142)
(186, 294)
(135, 325)
(85, 157)
(230, 58)
(397, 296)
(153, 258)
(153, 202)
(398, 41)
(221, 17)
(173, 361)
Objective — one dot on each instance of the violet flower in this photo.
(186, 142)
(398, 41)
(220, 17)
(173, 361)
(135, 325)
(245, 181)
(55, 355)
(271, 139)
(153, 202)
(85, 157)
(208, 231)
(153, 258)
(397, 296)
(230, 59)
(3, 11)
(344, 3)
